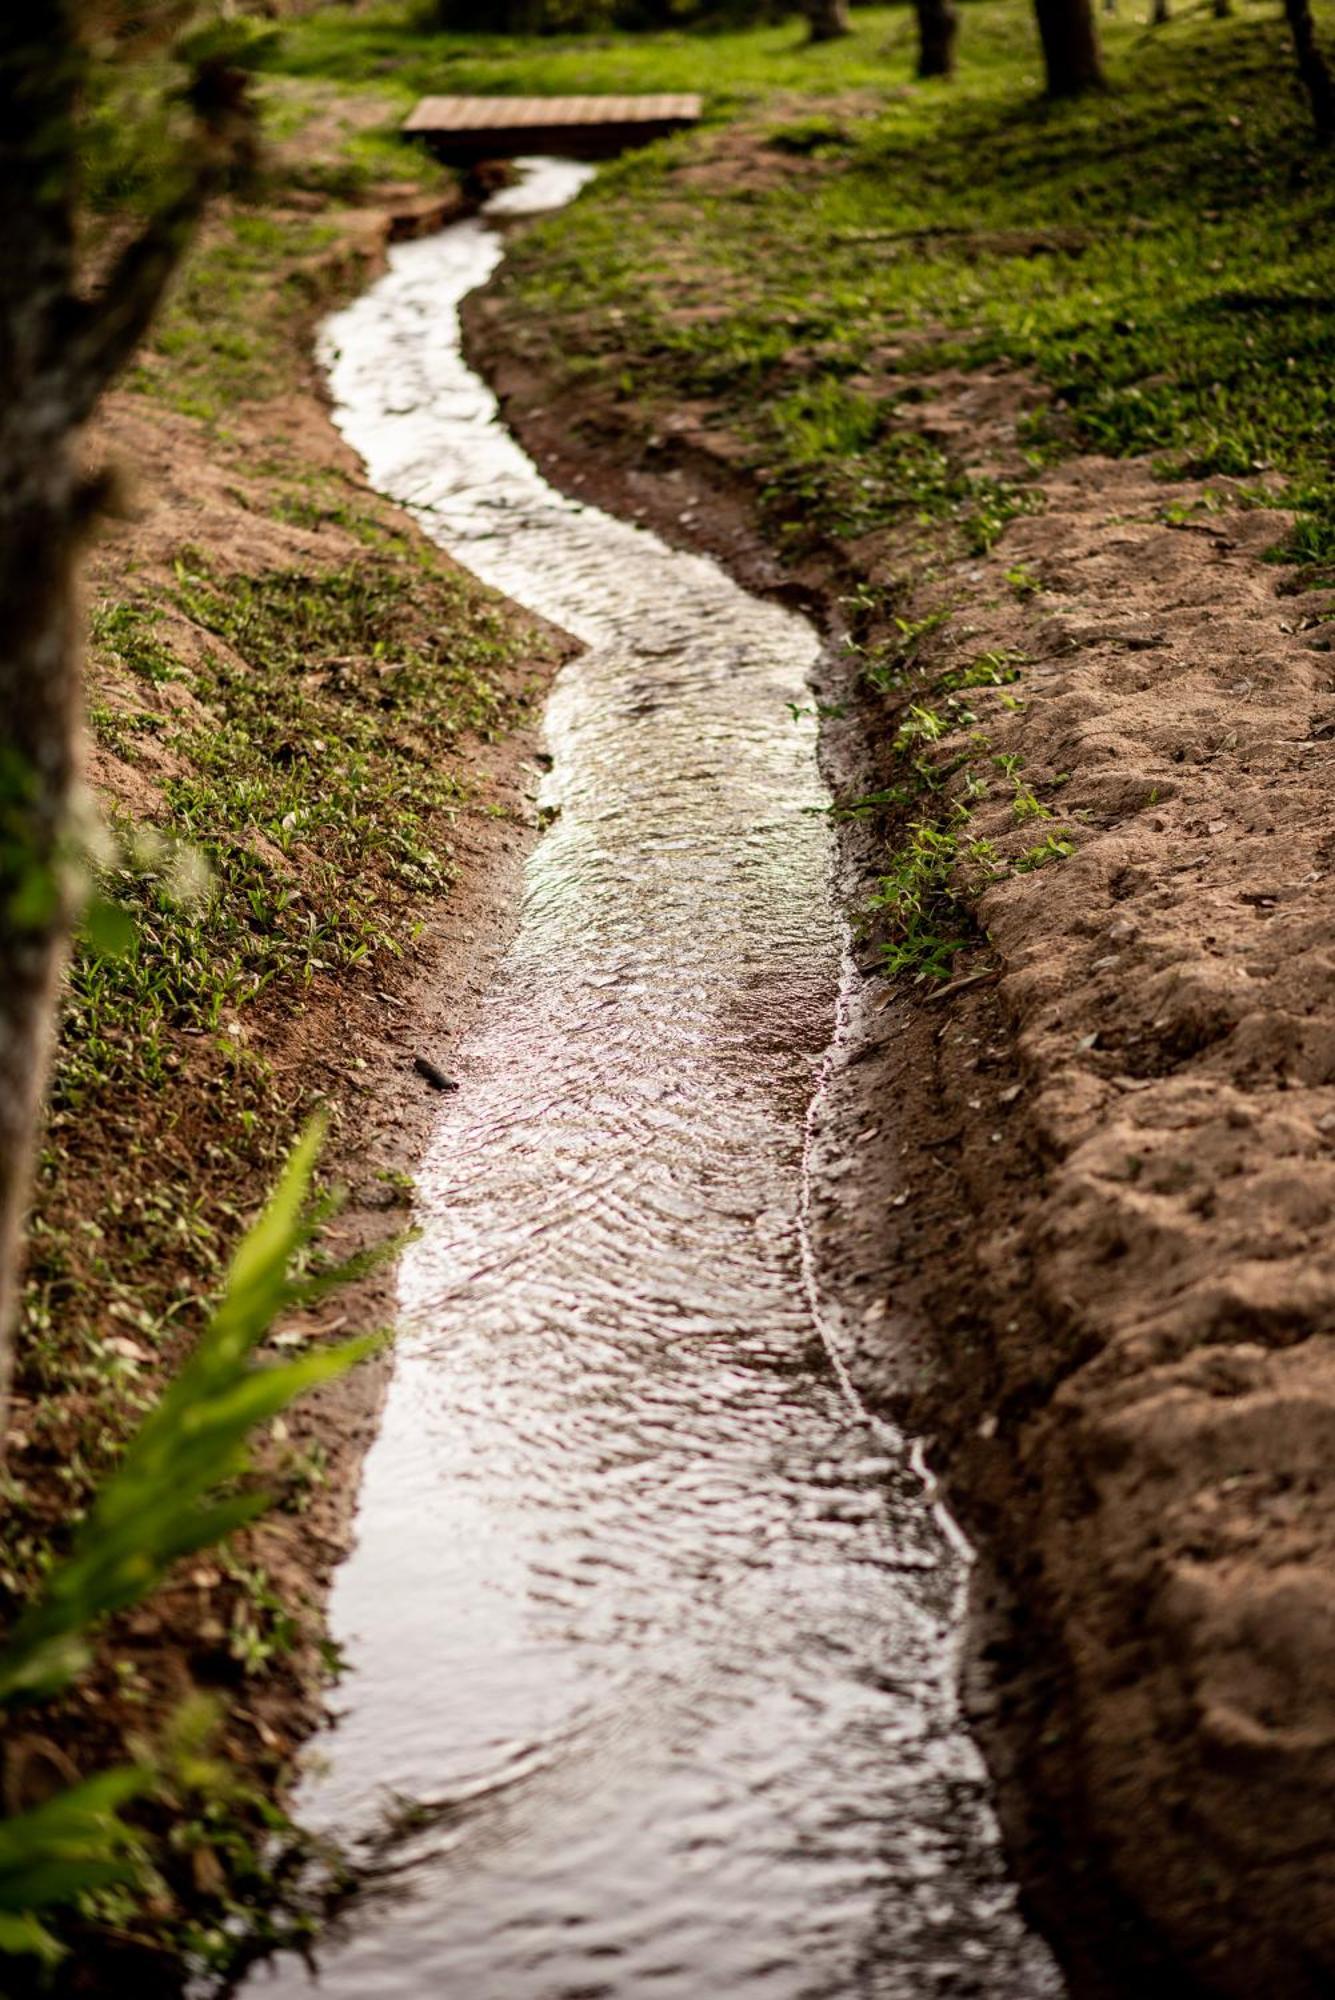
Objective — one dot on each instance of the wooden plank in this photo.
(476, 114)
(465, 128)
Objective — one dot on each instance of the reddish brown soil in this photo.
(1086, 1246)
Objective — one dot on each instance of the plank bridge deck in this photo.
(499, 128)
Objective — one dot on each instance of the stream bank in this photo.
(289, 684)
(1078, 1185)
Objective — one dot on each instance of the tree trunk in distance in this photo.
(1070, 47)
(827, 20)
(1312, 66)
(1160, 16)
(938, 25)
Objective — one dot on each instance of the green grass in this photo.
(250, 288)
(304, 823)
(1157, 257)
(327, 720)
(385, 45)
(211, 348)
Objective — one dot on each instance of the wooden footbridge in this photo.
(464, 130)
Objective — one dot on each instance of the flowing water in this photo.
(650, 1631)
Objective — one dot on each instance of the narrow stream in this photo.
(651, 1633)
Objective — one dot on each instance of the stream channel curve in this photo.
(653, 1627)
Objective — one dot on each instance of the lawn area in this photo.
(383, 44)
(1157, 256)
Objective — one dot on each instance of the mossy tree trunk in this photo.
(938, 26)
(1312, 66)
(1070, 47)
(59, 349)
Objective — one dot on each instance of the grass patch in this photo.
(389, 44)
(304, 821)
(1182, 310)
(266, 265)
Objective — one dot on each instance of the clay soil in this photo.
(1075, 1203)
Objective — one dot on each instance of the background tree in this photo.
(1312, 66)
(938, 26)
(62, 341)
(826, 19)
(1070, 47)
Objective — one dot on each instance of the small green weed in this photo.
(918, 898)
(1055, 848)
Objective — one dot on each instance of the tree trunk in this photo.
(1070, 47)
(938, 25)
(1312, 66)
(827, 20)
(58, 351)
(1159, 15)
(37, 639)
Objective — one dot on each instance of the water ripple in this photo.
(654, 1627)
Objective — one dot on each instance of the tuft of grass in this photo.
(1056, 847)
(918, 897)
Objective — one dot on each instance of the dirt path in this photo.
(1077, 1199)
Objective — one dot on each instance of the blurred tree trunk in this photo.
(1070, 47)
(1312, 66)
(59, 349)
(938, 25)
(1159, 15)
(826, 19)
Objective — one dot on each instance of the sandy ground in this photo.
(1075, 1207)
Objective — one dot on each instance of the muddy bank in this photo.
(1077, 1194)
(285, 676)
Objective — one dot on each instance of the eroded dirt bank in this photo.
(314, 739)
(1076, 1196)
